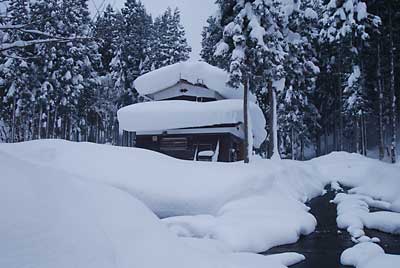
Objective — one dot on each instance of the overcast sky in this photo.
(194, 15)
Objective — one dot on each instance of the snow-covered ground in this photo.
(374, 185)
(369, 255)
(53, 218)
(354, 215)
(83, 194)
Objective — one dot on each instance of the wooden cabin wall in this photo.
(204, 142)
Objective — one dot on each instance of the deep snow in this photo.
(50, 218)
(250, 208)
(369, 255)
(232, 207)
(354, 215)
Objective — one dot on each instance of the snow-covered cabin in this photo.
(191, 114)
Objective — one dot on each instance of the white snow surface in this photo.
(250, 207)
(366, 176)
(216, 208)
(192, 71)
(176, 114)
(52, 218)
(369, 255)
(354, 216)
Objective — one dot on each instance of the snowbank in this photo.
(167, 115)
(366, 176)
(254, 224)
(354, 215)
(50, 218)
(369, 255)
(248, 207)
(233, 206)
(191, 71)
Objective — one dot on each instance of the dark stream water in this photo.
(323, 248)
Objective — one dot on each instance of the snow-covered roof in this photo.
(195, 72)
(169, 115)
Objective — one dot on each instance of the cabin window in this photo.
(174, 144)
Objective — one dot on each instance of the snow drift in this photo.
(232, 207)
(50, 218)
(254, 207)
(369, 255)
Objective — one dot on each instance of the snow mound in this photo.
(167, 115)
(366, 176)
(50, 218)
(354, 215)
(251, 225)
(249, 203)
(369, 255)
(194, 72)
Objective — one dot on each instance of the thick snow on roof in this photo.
(191, 71)
(168, 115)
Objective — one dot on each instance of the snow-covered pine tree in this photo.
(253, 40)
(170, 44)
(297, 113)
(182, 49)
(136, 29)
(46, 16)
(212, 33)
(213, 46)
(130, 56)
(344, 28)
(69, 78)
(107, 30)
(17, 74)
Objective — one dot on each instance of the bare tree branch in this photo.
(12, 27)
(23, 44)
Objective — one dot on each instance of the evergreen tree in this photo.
(133, 51)
(170, 45)
(68, 68)
(211, 35)
(18, 79)
(253, 40)
(297, 114)
(108, 29)
(344, 27)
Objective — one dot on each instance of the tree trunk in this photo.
(292, 145)
(275, 149)
(48, 124)
(392, 92)
(339, 138)
(357, 135)
(13, 121)
(326, 137)
(381, 144)
(246, 121)
(40, 122)
(55, 123)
